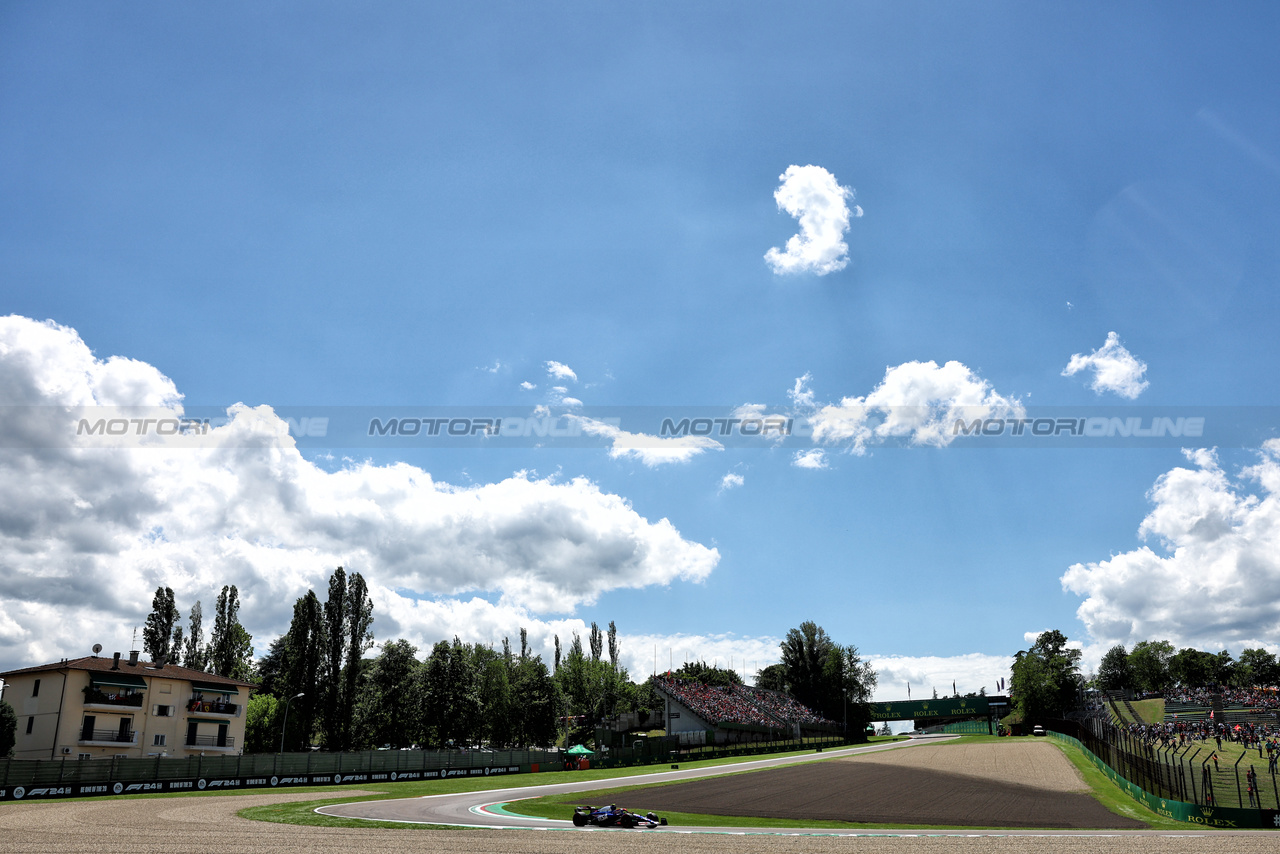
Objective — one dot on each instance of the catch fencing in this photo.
(1181, 781)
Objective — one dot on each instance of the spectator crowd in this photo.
(737, 703)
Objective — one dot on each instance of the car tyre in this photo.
(579, 820)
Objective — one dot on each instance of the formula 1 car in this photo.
(614, 816)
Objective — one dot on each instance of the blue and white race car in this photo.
(614, 816)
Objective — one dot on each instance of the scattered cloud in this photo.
(812, 195)
(653, 451)
(1114, 368)
(801, 394)
(492, 369)
(1213, 581)
(86, 535)
(970, 672)
(560, 371)
(815, 458)
(731, 481)
(916, 401)
(570, 401)
(528, 386)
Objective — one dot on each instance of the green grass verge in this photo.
(1112, 796)
(1150, 711)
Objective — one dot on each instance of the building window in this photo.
(163, 711)
(31, 722)
(84, 756)
(35, 691)
(157, 740)
(166, 688)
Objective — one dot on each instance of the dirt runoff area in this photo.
(1020, 783)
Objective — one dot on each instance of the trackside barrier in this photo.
(1199, 814)
(22, 779)
(25, 779)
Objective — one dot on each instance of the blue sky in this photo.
(333, 207)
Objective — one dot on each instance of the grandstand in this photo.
(735, 713)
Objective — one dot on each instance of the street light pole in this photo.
(285, 724)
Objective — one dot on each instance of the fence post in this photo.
(1236, 768)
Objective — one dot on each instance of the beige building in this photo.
(94, 707)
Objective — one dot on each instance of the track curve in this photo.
(486, 809)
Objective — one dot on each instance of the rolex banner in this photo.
(947, 707)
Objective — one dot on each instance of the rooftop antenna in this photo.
(134, 643)
(97, 648)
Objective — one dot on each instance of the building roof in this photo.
(99, 664)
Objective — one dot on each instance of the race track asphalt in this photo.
(211, 823)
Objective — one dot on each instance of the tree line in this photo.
(1046, 680)
(317, 689)
(229, 651)
(1155, 667)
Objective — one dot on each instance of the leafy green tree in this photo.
(231, 646)
(708, 674)
(1046, 678)
(535, 699)
(348, 615)
(162, 634)
(262, 724)
(1192, 668)
(597, 642)
(1259, 668)
(1113, 671)
(8, 729)
(772, 678)
(493, 674)
(1224, 668)
(195, 654)
(831, 679)
(387, 711)
(335, 622)
(302, 653)
(359, 638)
(804, 659)
(1149, 664)
(450, 695)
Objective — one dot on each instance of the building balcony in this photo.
(108, 737)
(101, 699)
(210, 742)
(217, 708)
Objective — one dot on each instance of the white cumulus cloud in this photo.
(918, 402)
(560, 371)
(814, 458)
(731, 480)
(812, 195)
(87, 534)
(1212, 581)
(653, 451)
(1114, 368)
